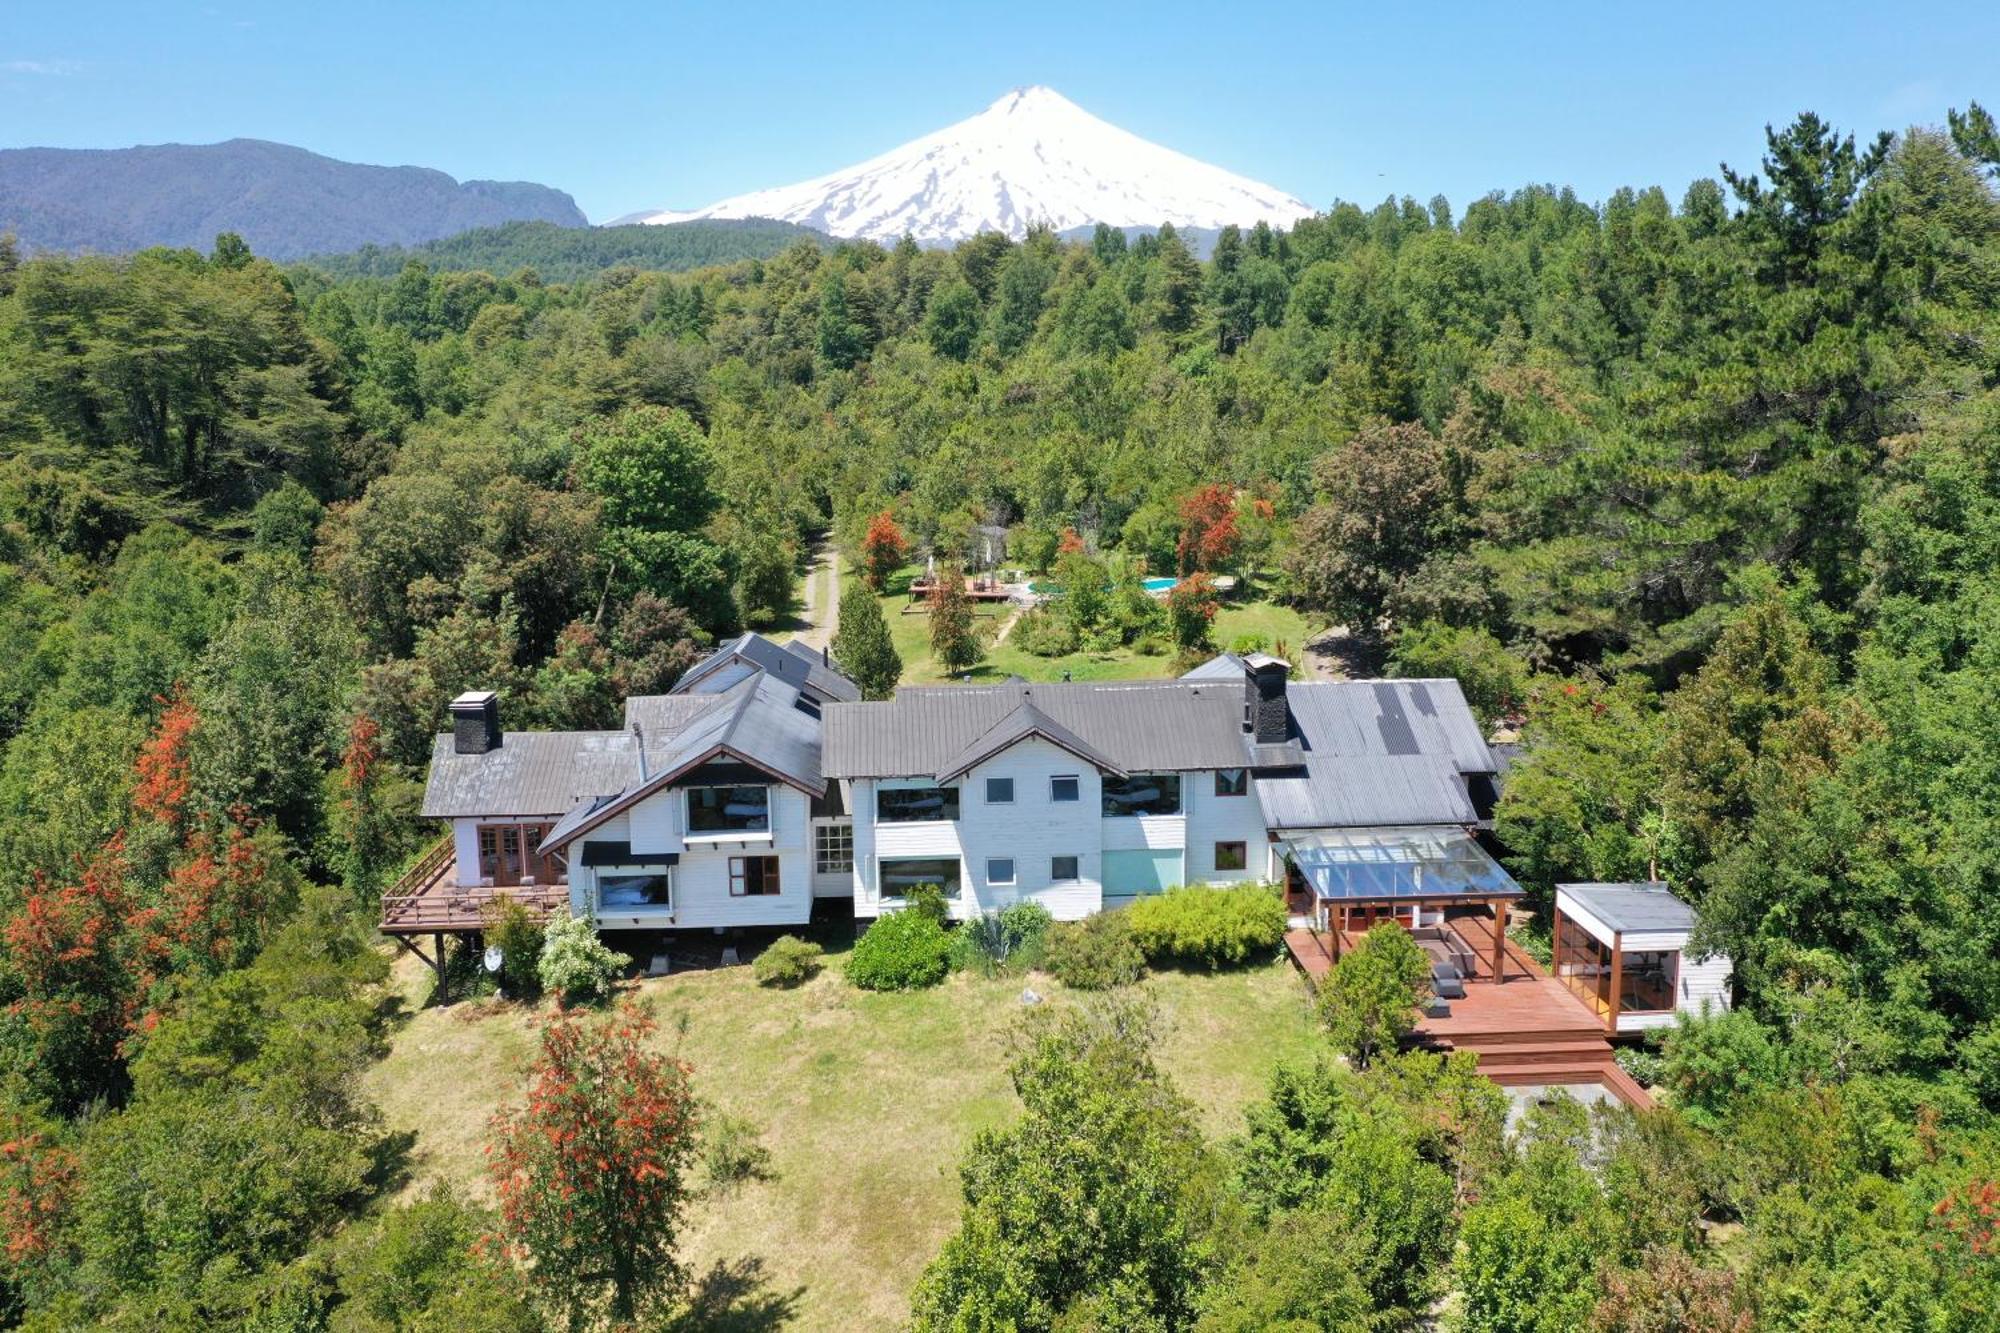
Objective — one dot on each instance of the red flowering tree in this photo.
(215, 905)
(1191, 608)
(1069, 544)
(592, 1172)
(75, 954)
(1208, 528)
(883, 550)
(162, 782)
(37, 1181)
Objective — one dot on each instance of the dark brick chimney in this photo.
(1266, 716)
(475, 722)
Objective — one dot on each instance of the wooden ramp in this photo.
(1527, 1030)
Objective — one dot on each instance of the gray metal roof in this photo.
(1648, 906)
(757, 721)
(530, 773)
(1223, 666)
(1024, 721)
(1390, 718)
(1355, 791)
(1139, 726)
(801, 669)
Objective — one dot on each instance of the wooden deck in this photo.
(429, 900)
(1527, 1029)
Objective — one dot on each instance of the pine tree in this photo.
(953, 642)
(863, 646)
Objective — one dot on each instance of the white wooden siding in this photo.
(1212, 819)
(465, 839)
(1137, 833)
(656, 822)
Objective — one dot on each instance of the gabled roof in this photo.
(530, 773)
(1223, 666)
(1023, 722)
(797, 666)
(1134, 726)
(756, 722)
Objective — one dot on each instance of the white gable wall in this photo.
(1034, 829)
(1212, 819)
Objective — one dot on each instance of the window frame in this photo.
(953, 892)
(842, 833)
(1076, 788)
(1106, 797)
(665, 874)
(1241, 783)
(1013, 871)
(1075, 876)
(770, 879)
(948, 803)
(726, 833)
(991, 799)
(1242, 854)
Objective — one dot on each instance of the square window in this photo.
(999, 791)
(1064, 789)
(1231, 782)
(999, 870)
(833, 848)
(1231, 855)
(1062, 869)
(753, 876)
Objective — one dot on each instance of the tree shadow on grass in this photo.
(736, 1298)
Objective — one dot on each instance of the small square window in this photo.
(1231, 855)
(1231, 782)
(999, 870)
(753, 876)
(1062, 869)
(1064, 789)
(999, 791)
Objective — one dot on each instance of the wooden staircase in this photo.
(1566, 1055)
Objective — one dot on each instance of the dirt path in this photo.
(821, 610)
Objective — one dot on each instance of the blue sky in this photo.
(677, 104)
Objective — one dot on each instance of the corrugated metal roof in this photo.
(1354, 791)
(1024, 721)
(799, 669)
(1223, 666)
(531, 773)
(1390, 717)
(1139, 726)
(1635, 907)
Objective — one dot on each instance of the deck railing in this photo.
(429, 899)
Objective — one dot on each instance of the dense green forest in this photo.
(572, 254)
(1703, 494)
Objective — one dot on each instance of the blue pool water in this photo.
(1160, 585)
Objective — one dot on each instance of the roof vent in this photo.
(475, 722)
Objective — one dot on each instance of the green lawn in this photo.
(865, 1101)
(909, 627)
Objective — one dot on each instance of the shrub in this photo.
(901, 951)
(1044, 633)
(1369, 1000)
(1209, 926)
(575, 964)
(1009, 940)
(1244, 644)
(518, 936)
(732, 1150)
(927, 900)
(1095, 953)
(1643, 1064)
(787, 961)
(1027, 925)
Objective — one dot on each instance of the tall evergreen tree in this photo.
(863, 646)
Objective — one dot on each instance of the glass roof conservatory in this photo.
(1434, 864)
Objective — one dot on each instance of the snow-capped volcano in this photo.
(1032, 157)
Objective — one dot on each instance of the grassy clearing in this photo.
(866, 1103)
(909, 628)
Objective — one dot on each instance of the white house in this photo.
(1622, 949)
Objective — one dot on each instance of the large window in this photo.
(833, 848)
(1584, 965)
(713, 810)
(898, 875)
(915, 805)
(510, 854)
(1142, 794)
(1646, 981)
(624, 892)
(753, 876)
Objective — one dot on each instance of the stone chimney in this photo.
(475, 722)
(1266, 716)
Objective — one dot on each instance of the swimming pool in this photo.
(1160, 585)
(1049, 588)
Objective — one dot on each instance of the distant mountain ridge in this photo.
(286, 202)
(571, 254)
(1032, 158)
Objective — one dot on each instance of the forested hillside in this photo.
(572, 254)
(1703, 492)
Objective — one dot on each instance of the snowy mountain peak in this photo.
(1031, 157)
